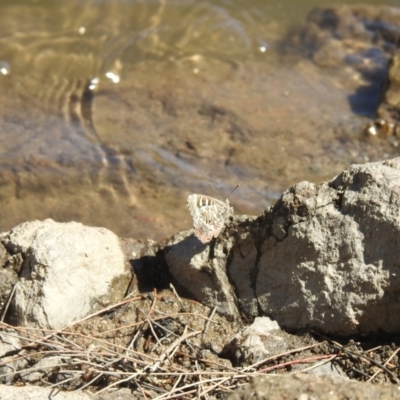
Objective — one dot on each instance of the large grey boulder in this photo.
(330, 255)
(324, 257)
(68, 270)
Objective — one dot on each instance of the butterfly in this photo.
(209, 215)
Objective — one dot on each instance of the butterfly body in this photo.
(209, 215)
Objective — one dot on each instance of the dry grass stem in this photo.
(370, 379)
(172, 287)
(145, 343)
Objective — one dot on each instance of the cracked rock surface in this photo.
(66, 271)
(324, 257)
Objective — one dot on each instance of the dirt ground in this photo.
(161, 346)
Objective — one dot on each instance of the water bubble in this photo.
(115, 78)
(93, 83)
(4, 68)
(262, 45)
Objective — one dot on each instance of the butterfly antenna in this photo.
(233, 191)
(215, 192)
(218, 193)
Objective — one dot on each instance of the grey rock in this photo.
(327, 368)
(43, 366)
(10, 361)
(39, 393)
(68, 270)
(118, 394)
(242, 259)
(256, 342)
(324, 257)
(199, 274)
(334, 266)
(309, 387)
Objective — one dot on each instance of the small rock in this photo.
(68, 270)
(43, 366)
(255, 343)
(9, 362)
(36, 393)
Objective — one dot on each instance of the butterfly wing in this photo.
(209, 215)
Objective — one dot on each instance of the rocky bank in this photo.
(324, 258)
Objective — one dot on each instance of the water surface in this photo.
(112, 112)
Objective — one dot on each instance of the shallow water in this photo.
(112, 112)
